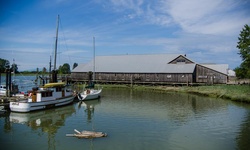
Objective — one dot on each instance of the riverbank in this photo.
(239, 93)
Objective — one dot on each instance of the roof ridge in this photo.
(138, 54)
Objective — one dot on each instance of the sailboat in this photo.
(47, 96)
(90, 93)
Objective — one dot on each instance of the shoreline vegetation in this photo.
(234, 92)
(238, 93)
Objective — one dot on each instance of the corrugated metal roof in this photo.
(79, 68)
(223, 68)
(231, 73)
(156, 63)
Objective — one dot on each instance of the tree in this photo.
(44, 70)
(244, 51)
(14, 68)
(3, 64)
(65, 69)
(75, 65)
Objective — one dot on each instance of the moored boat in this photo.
(2, 89)
(48, 96)
(89, 94)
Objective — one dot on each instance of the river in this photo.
(133, 120)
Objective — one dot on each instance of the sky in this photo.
(206, 31)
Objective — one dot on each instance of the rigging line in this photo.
(66, 45)
(24, 76)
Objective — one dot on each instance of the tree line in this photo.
(64, 69)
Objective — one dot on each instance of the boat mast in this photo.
(57, 25)
(94, 59)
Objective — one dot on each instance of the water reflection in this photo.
(174, 106)
(181, 120)
(89, 108)
(243, 137)
(146, 120)
(48, 121)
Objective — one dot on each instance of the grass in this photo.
(240, 93)
(233, 92)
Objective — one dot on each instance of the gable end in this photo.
(181, 60)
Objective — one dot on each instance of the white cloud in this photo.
(206, 17)
(134, 5)
(199, 28)
(216, 17)
(153, 16)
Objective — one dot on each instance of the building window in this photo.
(202, 77)
(58, 89)
(181, 60)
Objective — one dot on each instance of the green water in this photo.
(133, 120)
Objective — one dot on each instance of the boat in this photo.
(87, 134)
(15, 91)
(2, 89)
(40, 119)
(90, 93)
(49, 96)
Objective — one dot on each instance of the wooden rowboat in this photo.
(87, 134)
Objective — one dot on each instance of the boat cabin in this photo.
(50, 91)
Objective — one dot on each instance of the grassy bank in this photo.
(233, 92)
(239, 93)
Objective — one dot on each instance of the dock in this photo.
(4, 100)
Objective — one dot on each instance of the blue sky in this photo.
(206, 30)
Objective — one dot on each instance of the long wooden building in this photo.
(150, 69)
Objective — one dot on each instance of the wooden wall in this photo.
(201, 74)
(209, 76)
(161, 78)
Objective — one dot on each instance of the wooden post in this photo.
(7, 82)
(187, 80)
(131, 80)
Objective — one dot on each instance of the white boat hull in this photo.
(25, 106)
(94, 94)
(2, 90)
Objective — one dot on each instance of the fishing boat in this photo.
(48, 95)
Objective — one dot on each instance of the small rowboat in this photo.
(87, 134)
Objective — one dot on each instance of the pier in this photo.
(5, 100)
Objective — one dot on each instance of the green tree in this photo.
(65, 69)
(44, 70)
(14, 68)
(75, 65)
(3, 63)
(243, 71)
